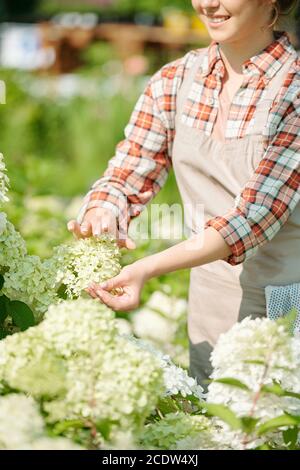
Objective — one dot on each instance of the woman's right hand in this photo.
(96, 221)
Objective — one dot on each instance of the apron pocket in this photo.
(280, 300)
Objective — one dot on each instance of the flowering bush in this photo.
(86, 260)
(37, 284)
(177, 430)
(80, 369)
(67, 370)
(264, 361)
(22, 426)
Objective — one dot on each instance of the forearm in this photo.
(187, 254)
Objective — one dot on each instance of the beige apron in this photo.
(212, 172)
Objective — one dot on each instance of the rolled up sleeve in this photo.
(269, 197)
(141, 163)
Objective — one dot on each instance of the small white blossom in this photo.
(20, 421)
(257, 353)
(150, 325)
(176, 379)
(4, 181)
(3, 221)
(170, 306)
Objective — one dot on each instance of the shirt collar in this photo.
(267, 62)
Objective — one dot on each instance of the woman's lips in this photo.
(215, 21)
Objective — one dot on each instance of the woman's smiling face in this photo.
(233, 20)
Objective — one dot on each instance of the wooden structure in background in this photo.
(132, 39)
(128, 39)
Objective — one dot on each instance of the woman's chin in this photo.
(224, 37)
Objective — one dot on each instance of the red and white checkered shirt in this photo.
(140, 166)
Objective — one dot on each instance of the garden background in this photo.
(70, 89)
(73, 71)
(64, 116)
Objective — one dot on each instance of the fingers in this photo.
(115, 282)
(122, 302)
(93, 226)
(103, 225)
(126, 243)
(79, 231)
(97, 293)
(91, 292)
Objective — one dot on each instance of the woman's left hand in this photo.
(129, 282)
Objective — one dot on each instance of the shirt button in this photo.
(210, 101)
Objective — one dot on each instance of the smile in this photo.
(218, 19)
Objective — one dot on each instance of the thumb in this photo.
(127, 243)
(112, 283)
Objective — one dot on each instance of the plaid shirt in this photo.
(142, 161)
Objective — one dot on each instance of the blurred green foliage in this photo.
(58, 146)
(55, 148)
(116, 9)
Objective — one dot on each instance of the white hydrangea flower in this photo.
(122, 440)
(84, 261)
(22, 426)
(4, 181)
(74, 326)
(32, 283)
(124, 327)
(76, 361)
(148, 324)
(176, 379)
(256, 352)
(12, 247)
(36, 282)
(3, 221)
(26, 277)
(47, 443)
(28, 364)
(170, 306)
(20, 421)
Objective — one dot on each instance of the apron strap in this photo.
(263, 108)
(188, 82)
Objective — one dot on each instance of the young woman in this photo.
(227, 119)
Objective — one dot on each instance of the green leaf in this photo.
(3, 333)
(233, 382)
(255, 362)
(21, 314)
(62, 292)
(224, 413)
(289, 320)
(3, 308)
(264, 447)
(63, 426)
(290, 437)
(104, 427)
(275, 423)
(276, 389)
(249, 424)
(1, 281)
(167, 405)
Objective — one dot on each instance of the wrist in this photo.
(144, 268)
